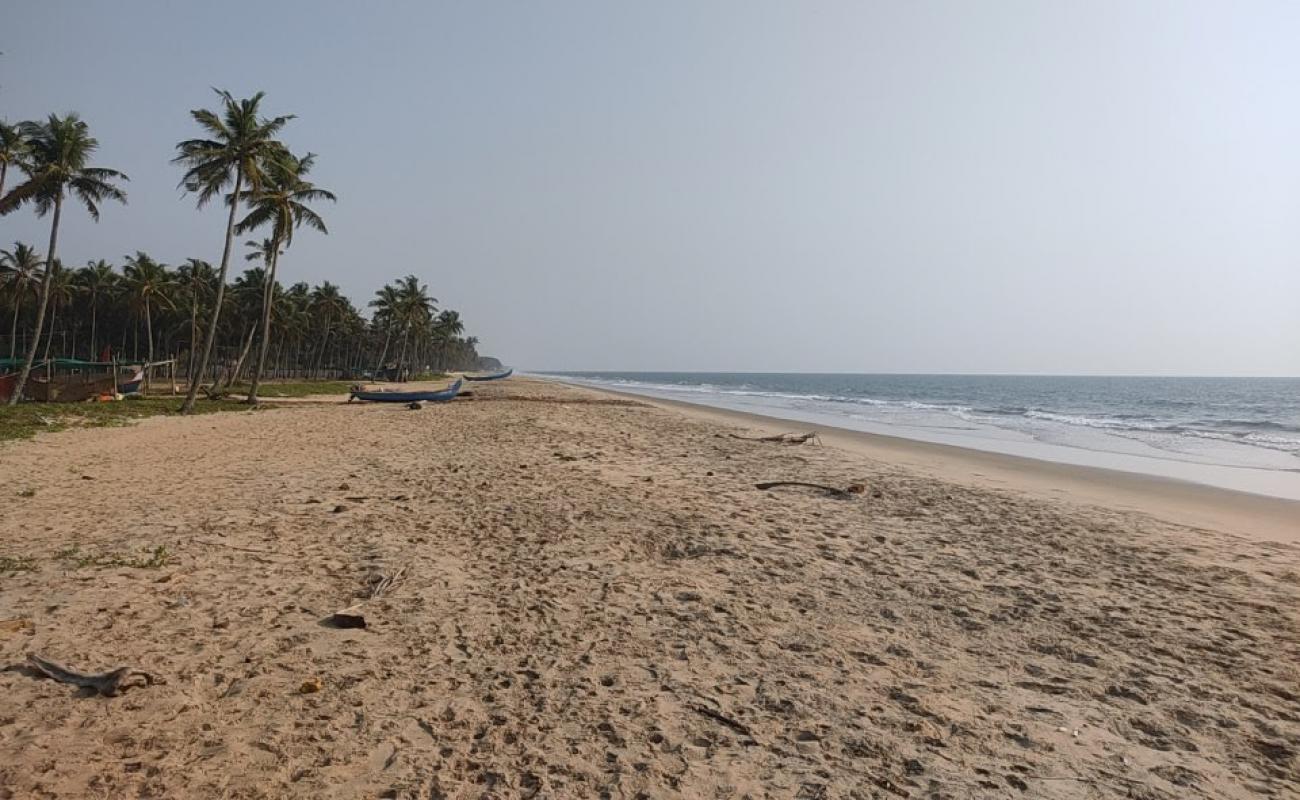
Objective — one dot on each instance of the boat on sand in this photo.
(496, 377)
(380, 396)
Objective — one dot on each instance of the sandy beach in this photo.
(570, 593)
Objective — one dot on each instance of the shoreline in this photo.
(1255, 516)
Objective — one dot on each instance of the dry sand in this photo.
(594, 601)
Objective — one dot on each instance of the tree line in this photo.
(148, 310)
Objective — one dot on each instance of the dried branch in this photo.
(106, 683)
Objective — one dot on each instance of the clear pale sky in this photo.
(1100, 187)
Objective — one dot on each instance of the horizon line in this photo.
(919, 374)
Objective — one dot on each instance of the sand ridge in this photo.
(595, 601)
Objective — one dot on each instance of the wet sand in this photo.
(590, 598)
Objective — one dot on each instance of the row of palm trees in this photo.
(147, 310)
(238, 160)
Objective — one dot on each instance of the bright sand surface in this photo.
(592, 599)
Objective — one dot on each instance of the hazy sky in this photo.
(1099, 187)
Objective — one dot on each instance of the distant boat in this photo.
(498, 376)
(440, 396)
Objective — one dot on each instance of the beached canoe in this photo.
(498, 376)
(440, 396)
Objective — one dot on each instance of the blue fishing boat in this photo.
(440, 396)
(498, 376)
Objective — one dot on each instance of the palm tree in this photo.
(445, 328)
(147, 283)
(414, 310)
(247, 295)
(21, 268)
(328, 304)
(282, 203)
(13, 149)
(57, 166)
(386, 305)
(197, 280)
(63, 290)
(98, 281)
(240, 145)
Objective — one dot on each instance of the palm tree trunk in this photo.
(93, 320)
(233, 375)
(148, 327)
(383, 353)
(194, 334)
(46, 280)
(320, 355)
(188, 406)
(49, 338)
(13, 326)
(268, 294)
(401, 358)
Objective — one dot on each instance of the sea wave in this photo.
(1266, 434)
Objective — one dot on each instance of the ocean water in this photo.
(1243, 432)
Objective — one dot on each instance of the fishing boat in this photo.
(495, 377)
(440, 396)
(71, 380)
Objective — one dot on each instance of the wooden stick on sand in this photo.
(106, 683)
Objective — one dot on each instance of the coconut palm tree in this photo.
(327, 305)
(241, 143)
(196, 281)
(98, 281)
(385, 304)
(63, 290)
(13, 149)
(19, 270)
(415, 309)
(246, 292)
(446, 327)
(282, 204)
(55, 168)
(147, 284)
(264, 251)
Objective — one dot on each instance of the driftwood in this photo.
(106, 683)
(848, 491)
(782, 438)
(718, 716)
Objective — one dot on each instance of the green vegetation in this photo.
(28, 419)
(72, 558)
(12, 564)
(297, 388)
(151, 558)
(219, 330)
